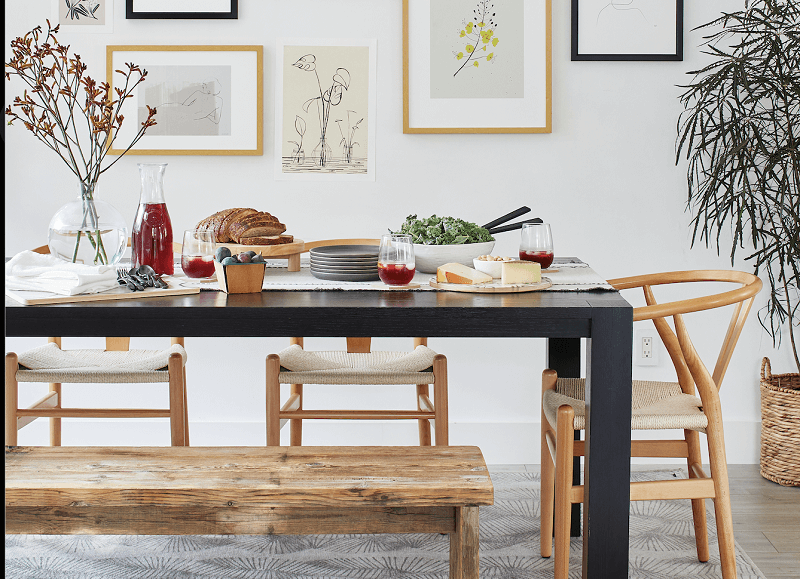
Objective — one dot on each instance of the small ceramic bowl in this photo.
(492, 268)
(429, 257)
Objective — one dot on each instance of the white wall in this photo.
(605, 178)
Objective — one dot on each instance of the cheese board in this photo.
(290, 251)
(36, 298)
(492, 287)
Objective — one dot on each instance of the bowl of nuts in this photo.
(242, 273)
(490, 264)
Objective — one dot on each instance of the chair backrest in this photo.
(45, 249)
(684, 357)
(115, 343)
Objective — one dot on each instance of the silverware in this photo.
(133, 278)
(122, 279)
(513, 226)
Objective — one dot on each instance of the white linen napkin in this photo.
(33, 271)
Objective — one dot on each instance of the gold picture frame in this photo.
(427, 114)
(210, 97)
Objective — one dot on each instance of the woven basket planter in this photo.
(780, 426)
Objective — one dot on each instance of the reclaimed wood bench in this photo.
(251, 491)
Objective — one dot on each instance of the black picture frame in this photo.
(132, 14)
(676, 56)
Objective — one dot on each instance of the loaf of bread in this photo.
(234, 225)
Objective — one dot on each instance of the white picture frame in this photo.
(294, 83)
(531, 113)
(78, 17)
(240, 115)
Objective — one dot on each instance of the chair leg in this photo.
(563, 506)
(722, 501)
(273, 400)
(296, 424)
(548, 475)
(441, 421)
(55, 423)
(698, 505)
(12, 398)
(176, 393)
(185, 411)
(424, 424)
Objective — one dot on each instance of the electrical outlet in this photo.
(645, 349)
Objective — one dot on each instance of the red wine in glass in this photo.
(544, 258)
(395, 273)
(197, 266)
(151, 238)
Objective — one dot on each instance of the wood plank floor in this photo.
(766, 517)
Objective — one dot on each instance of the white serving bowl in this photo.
(429, 257)
(492, 268)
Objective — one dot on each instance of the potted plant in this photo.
(79, 119)
(740, 132)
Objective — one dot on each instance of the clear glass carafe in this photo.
(151, 237)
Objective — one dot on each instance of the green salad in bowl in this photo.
(440, 240)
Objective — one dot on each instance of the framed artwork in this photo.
(325, 110)
(83, 15)
(477, 66)
(627, 29)
(181, 9)
(209, 99)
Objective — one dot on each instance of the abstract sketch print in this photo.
(329, 117)
(79, 12)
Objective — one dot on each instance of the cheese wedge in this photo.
(520, 272)
(460, 273)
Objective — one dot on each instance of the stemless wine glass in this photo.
(537, 244)
(396, 259)
(197, 256)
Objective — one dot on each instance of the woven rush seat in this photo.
(655, 405)
(49, 363)
(299, 366)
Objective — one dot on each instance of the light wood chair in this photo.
(656, 406)
(117, 364)
(362, 366)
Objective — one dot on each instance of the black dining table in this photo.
(601, 317)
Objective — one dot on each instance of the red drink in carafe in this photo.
(151, 239)
(151, 234)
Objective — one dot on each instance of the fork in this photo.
(123, 279)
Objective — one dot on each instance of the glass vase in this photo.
(151, 237)
(88, 230)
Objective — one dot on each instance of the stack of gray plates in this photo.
(345, 262)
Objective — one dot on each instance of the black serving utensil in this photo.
(507, 217)
(513, 226)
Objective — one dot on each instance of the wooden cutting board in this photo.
(34, 298)
(283, 249)
(492, 287)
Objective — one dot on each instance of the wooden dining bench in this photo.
(251, 491)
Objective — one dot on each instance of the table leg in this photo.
(294, 262)
(464, 544)
(608, 439)
(564, 356)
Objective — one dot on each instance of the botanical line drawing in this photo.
(299, 155)
(480, 31)
(330, 97)
(621, 5)
(79, 8)
(347, 142)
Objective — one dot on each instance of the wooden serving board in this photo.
(491, 287)
(280, 250)
(34, 298)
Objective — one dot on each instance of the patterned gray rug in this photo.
(661, 547)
